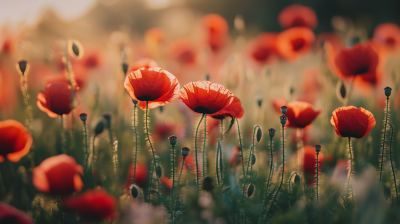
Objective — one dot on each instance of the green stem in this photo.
(148, 139)
(177, 185)
(317, 176)
(391, 161)
(351, 170)
(86, 144)
(62, 135)
(241, 153)
(204, 146)
(135, 134)
(384, 138)
(91, 164)
(195, 152)
(220, 150)
(173, 177)
(216, 160)
(350, 91)
(270, 172)
(283, 171)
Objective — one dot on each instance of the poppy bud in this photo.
(296, 179)
(283, 109)
(158, 171)
(259, 102)
(250, 190)
(253, 159)
(107, 117)
(207, 184)
(388, 91)
(342, 91)
(22, 66)
(259, 134)
(207, 77)
(134, 101)
(99, 128)
(271, 132)
(75, 49)
(124, 68)
(317, 148)
(83, 117)
(134, 191)
(291, 90)
(283, 120)
(161, 108)
(172, 140)
(185, 152)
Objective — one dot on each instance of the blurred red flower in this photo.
(58, 175)
(216, 29)
(277, 103)
(387, 36)
(300, 114)
(360, 60)
(332, 43)
(294, 42)
(183, 52)
(155, 85)
(80, 75)
(57, 99)
(9, 94)
(162, 130)
(15, 140)
(297, 15)
(235, 157)
(352, 122)
(310, 163)
(9, 214)
(205, 97)
(140, 176)
(233, 110)
(189, 163)
(142, 63)
(167, 184)
(154, 36)
(262, 49)
(93, 205)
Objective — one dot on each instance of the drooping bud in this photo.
(107, 117)
(158, 171)
(342, 91)
(172, 140)
(317, 148)
(253, 159)
(22, 66)
(283, 109)
(185, 152)
(161, 109)
(259, 134)
(296, 179)
(134, 101)
(259, 102)
(83, 117)
(283, 119)
(207, 184)
(99, 127)
(271, 132)
(388, 91)
(134, 191)
(250, 190)
(125, 67)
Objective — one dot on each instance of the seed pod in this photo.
(107, 117)
(259, 134)
(253, 159)
(207, 184)
(172, 140)
(283, 119)
(22, 66)
(161, 109)
(124, 68)
(134, 101)
(158, 171)
(259, 102)
(296, 179)
(317, 148)
(271, 132)
(283, 109)
(99, 127)
(185, 152)
(83, 117)
(342, 91)
(250, 190)
(134, 191)
(388, 91)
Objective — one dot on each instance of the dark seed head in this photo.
(250, 190)
(125, 67)
(107, 117)
(134, 101)
(388, 91)
(22, 66)
(283, 109)
(259, 102)
(283, 119)
(172, 139)
(134, 191)
(83, 117)
(185, 152)
(317, 148)
(99, 127)
(271, 132)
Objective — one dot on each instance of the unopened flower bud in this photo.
(22, 66)
(125, 67)
(296, 179)
(185, 152)
(134, 101)
(253, 159)
(161, 109)
(259, 134)
(317, 148)
(388, 91)
(271, 132)
(134, 191)
(99, 127)
(107, 117)
(172, 140)
(158, 171)
(83, 117)
(207, 77)
(250, 190)
(207, 184)
(283, 109)
(259, 102)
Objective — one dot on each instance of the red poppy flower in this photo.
(167, 184)
(155, 85)
(263, 48)
(183, 52)
(142, 63)
(309, 163)
(15, 140)
(233, 110)
(57, 99)
(277, 103)
(360, 60)
(163, 130)
(9, 214)
(91, 58)
(216, 29)
(140, 176)
(58, 175)
(235, 158)
(300, 114)
(387, 35)
(297, 15)
(294, 42)
(93, 205)
(352, 122)
(205, 97)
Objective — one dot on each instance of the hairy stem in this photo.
(195, 152)
(241, 153)
(351, 170)
(151, 145)
(216, 160)
(86, 144)
(62, 135)
(317, 176)
(177, 186)
(384, 138)
(204, 147)
(135, 136)
(391, 161)
(220, 151)
(270, 172)
(173, 177)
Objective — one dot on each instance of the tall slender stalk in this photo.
(216, 160)
(391, 161)
(135, 139)
(115, 161)
(384, 138)
(62, 135)
(173, 177)
(195, 153)
(347, 101)
(86, 144)
(351, 170)
(317, 177)
(204, 147)
(221, 170)
(270, 172)
(241, 153)
(28, 114)
(177, 186)
(148, 139)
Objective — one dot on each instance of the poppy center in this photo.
(298, 44)
(202, 110)
(390, 41)
(144, 98)
(91, 62)
(299, 21)
(261, 54)
(186, 57)
(361, 70)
